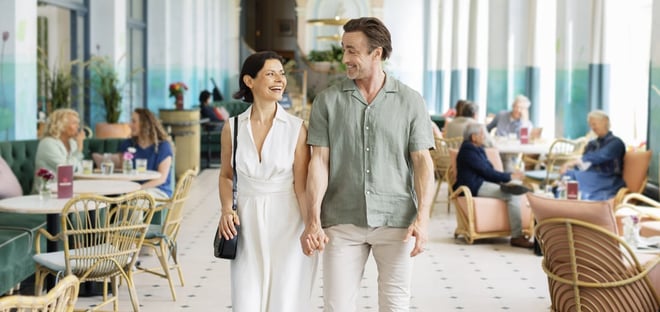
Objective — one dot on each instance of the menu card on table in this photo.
(524, 135)
(64, 181)
(572, 189)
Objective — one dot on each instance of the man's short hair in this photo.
(601, 115)
(468, 109)
(523, 100)
(470, 129)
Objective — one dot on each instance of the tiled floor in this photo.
(450, 275)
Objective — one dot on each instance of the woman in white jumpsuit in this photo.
(270, 272)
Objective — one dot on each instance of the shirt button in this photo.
(367, 127)
(368, 192)
(368, 171)
(368, 149)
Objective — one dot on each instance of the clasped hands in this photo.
(313, 238)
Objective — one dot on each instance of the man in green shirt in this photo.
(370, 183)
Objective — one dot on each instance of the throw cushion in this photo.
(9, 186)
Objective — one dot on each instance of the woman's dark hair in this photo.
(203, 96)
(150, 127)
(376, 32)
(252, 65)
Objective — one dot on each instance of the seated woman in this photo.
(61, 143)
(151, 143)
(599, 171)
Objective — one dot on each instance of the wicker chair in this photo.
(62, 298)
(561, 151)
(484, 217)
(635, 173)
(441, 162)
(589, 267)
(162, 238)
(99, 238)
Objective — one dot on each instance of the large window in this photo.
(137, 25)
(61, 42)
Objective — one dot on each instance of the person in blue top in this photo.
(152, 143)
(477, 173)
(599, 171)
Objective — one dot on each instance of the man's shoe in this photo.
(513, 188)
(521, 242)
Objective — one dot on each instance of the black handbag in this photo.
(226, 248)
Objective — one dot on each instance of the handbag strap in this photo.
(234, 192)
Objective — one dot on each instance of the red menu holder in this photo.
(572, 190)
(64, 181)
(524, 135)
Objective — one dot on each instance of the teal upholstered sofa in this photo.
(17, 230)
(210, 138)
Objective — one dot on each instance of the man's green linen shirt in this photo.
(371, 173)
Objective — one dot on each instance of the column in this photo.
(477, 70)
(108, 33)
(459, 50)
(653, 131)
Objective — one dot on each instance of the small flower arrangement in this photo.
(128, 154)
(45, 175)
(177, 88)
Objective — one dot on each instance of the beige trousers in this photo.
(343, 266)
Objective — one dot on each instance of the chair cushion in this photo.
(55, 260)
(491, 214)
(596, 212)
(9, 185)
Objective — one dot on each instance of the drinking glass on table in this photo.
(141, 165)
(87, 166)
(107, 166)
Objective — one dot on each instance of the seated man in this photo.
(475, 171)
(511, 122)
(599, 170)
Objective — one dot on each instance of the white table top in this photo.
(143, 176)
(514, 147)
(100, 187)
(32, 204)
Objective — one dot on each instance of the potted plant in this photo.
(57, 82)
(104, 81)
(327, 60)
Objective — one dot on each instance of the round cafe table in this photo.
(135, 176)
(101, 187)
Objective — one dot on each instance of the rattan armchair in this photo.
(163, 238)
(441, 162)
(99, 238)
(635, 173)
(589, 267)
(484, 217)
(62, 298)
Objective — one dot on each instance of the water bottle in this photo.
(561, 188)
(630, 231)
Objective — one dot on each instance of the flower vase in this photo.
(44, 191)
(178, 101)
(127, 166)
